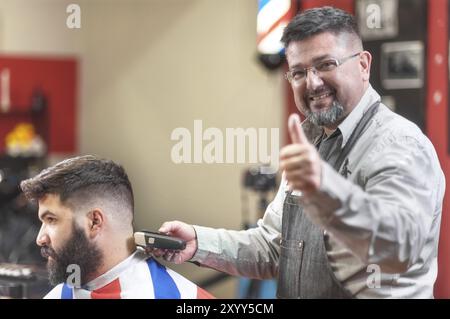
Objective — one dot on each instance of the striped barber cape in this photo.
(137, 277)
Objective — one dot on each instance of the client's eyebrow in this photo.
(45, 214)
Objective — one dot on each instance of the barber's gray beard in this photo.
(329, 117)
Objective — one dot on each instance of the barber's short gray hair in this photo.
(318, 20)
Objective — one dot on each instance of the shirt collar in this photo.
(349, 124)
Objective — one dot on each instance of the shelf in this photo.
(21, 112)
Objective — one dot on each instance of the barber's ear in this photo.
(96, 220)
(365, 62)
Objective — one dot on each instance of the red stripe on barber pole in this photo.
(271, 20)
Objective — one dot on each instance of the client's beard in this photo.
(77, 251)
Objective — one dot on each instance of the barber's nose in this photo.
(313, 80)
(42, 238)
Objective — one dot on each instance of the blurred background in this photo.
(118, 83)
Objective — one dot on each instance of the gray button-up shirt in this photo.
(381, 223)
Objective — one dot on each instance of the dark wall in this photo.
(412, 26)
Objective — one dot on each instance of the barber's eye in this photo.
(298, 74)
(326, 65)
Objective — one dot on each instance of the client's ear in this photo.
(96, 219)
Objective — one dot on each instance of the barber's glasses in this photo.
(297, 76)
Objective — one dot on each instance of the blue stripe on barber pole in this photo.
(66, 292)
(163, 284)
(272, 18)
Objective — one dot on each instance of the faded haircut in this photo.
(83, 180)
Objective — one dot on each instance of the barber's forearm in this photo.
(239, 253)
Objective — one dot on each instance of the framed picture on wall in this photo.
(377, 19)
(402, 65)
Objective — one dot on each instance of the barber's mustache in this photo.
(318, 91)
(48, 252)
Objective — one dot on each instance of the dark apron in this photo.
(304, 270)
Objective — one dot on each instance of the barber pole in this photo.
(273, 17)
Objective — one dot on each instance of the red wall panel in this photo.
(437, 122)
(346, 5)
(57, 78)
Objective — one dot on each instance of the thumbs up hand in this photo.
(300, 160)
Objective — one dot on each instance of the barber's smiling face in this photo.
(322, 91)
